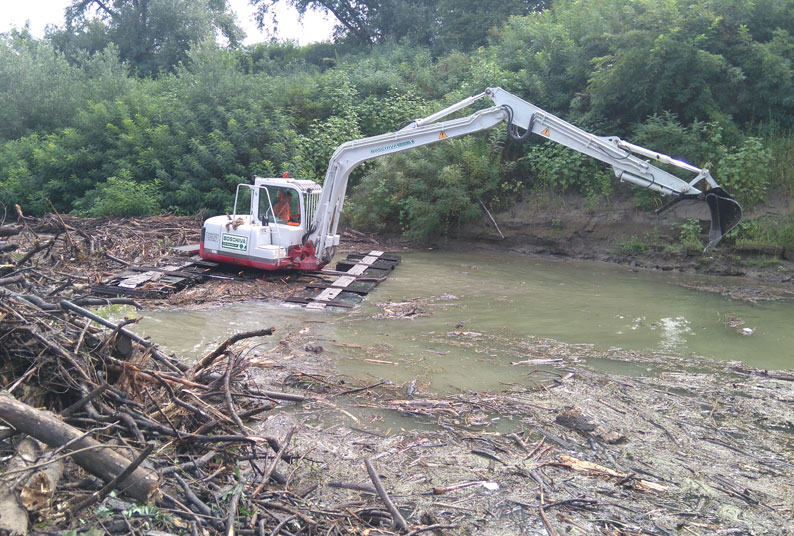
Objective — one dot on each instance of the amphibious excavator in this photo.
(287, 223)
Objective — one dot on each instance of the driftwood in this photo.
(210, 358)
(26, 486)
(97, 459)
(10, 230)
(399, 520)
(583, 466)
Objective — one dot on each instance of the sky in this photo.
(40, 13)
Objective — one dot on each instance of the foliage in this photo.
(153, 36)
(41, 91)
(780, 145)
(120, 197)
(427, 193)
(689, 236)
(632, 246)
(165, 112)
(765, 233)
(452, 24)
(560, 169)
(744, 170)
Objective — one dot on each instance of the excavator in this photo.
(291, 224)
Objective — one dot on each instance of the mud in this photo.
(703, 448)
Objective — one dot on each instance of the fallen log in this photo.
(96, 458)
(26, 490)
(10, 230)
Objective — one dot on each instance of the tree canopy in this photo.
(151, 35)
(441, 24)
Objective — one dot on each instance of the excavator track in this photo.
(349, 283)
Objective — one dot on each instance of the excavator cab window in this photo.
(279, 205)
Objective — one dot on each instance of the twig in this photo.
(233, 504)
(220, 350)
(107, 488)
(74, 408)
(395, 513)
(190, 496)
(65, 227)
(493, 220)
(66, 304)
(227, 393)
(429, 528)
(282, 525)
(546, 523)
(272, 466)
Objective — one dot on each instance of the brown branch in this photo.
(207, 360)
(399, 520)
(110, 486)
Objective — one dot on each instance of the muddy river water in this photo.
(460, 321)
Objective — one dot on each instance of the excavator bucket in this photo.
(726, 213)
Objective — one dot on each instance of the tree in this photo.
(461, 24)
(152, 35)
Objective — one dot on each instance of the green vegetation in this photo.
(138, 110)
(765, 234)
(631, 247)
(690, 235)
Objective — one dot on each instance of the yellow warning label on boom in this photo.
(545, 131)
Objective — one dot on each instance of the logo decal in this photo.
(391, 147)
(236, 242)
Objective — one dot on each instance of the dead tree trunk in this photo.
(24, 490)
(94, 457)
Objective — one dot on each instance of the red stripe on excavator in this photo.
(285, 264)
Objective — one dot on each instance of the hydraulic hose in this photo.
(512, 131)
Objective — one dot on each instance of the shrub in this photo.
(765, 233)
(744, 170)
(121, 197)
(690, 234)
(631, 247)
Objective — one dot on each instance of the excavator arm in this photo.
(520, 114)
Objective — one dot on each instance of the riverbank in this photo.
(620, 233)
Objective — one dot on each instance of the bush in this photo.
(121, 197)
(690, 235)
(631, 247)
(427, 193)
(744, 170)
(559, 169)
(765, 233)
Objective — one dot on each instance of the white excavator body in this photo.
(270, 216)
